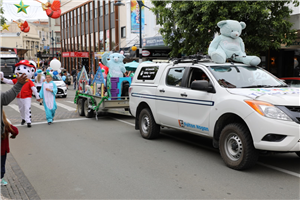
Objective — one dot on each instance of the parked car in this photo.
(244, 109)
(61, 86)
(292, 81)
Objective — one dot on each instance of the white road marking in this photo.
(38, 106)
(123, 121)
(281, 170)
(265, 165)
(66, 107)
(56, 121)
(15, 107)
(72, 102)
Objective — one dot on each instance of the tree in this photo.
(189, 26)
(2, 18)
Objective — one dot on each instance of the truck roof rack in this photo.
(194, 59)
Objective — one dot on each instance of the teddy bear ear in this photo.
(221, 23)
(243, 25)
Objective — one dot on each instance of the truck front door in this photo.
(195, 110)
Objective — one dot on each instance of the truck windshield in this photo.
(239, 76)
(9, 60)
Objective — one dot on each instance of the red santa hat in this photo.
(26, 63)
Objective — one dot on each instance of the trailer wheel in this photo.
(148, 127)
(88, 113)
(80, 110)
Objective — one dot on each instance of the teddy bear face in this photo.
(231, 28)
(23, 69)
(116, 57)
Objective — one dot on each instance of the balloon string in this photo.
(38, 1)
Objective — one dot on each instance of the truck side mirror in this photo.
(203, 85)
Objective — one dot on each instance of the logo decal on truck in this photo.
(185, 124)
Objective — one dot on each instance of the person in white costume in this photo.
(24, 97)
(47, 94)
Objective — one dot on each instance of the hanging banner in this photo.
(135, 19)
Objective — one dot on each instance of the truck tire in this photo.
(148, 127)
(88, 113)
(236, 147)
(298, 153)
(80, 106)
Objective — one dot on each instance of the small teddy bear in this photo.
(230, 45)
(115, 64)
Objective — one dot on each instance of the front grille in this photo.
(293, 108)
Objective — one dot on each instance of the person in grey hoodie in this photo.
(10, 95)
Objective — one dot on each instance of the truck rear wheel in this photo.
(148, 127)
(88, 113)
(236, 147)
(80, 110)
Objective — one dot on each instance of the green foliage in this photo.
(2, 18)
(189, 26)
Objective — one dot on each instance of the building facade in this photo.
(86, 29)
(37, 39)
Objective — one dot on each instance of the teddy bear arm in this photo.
(214, 45)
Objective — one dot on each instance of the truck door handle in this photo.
(183, 95)
(162, 90)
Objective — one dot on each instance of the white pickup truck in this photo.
(244, 109)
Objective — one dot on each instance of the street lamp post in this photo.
(52, 45)
(141, 4)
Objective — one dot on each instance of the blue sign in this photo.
(154, 41)
(99, 79)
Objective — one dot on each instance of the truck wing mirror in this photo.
(203, 85)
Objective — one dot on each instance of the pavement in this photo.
(18, 186)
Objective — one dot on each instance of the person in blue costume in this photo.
(47, 94)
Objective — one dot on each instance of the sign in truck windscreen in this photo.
(147, 73)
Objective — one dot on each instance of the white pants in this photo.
(25, 109)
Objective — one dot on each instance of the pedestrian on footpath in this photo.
(76, 79)
(47, 94)
(9, 129)
(39, 79)
(10, 95)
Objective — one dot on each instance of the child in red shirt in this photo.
(5, 144)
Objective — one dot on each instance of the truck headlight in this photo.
(268, 110)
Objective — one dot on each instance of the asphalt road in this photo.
(79, 158)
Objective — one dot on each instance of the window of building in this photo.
(96, 12)
(106, 7)
(174, 76)
(112, 7)
(78, 16)
(67, 20)
(82, 15)
(91, 11)
(86, 12)
(101, 8)
(57, 22)
(113, 38)
(71, 18)
(123, 32)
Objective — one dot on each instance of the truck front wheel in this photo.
(148, 127)
(236, 147)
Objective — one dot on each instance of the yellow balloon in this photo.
(133, 48)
